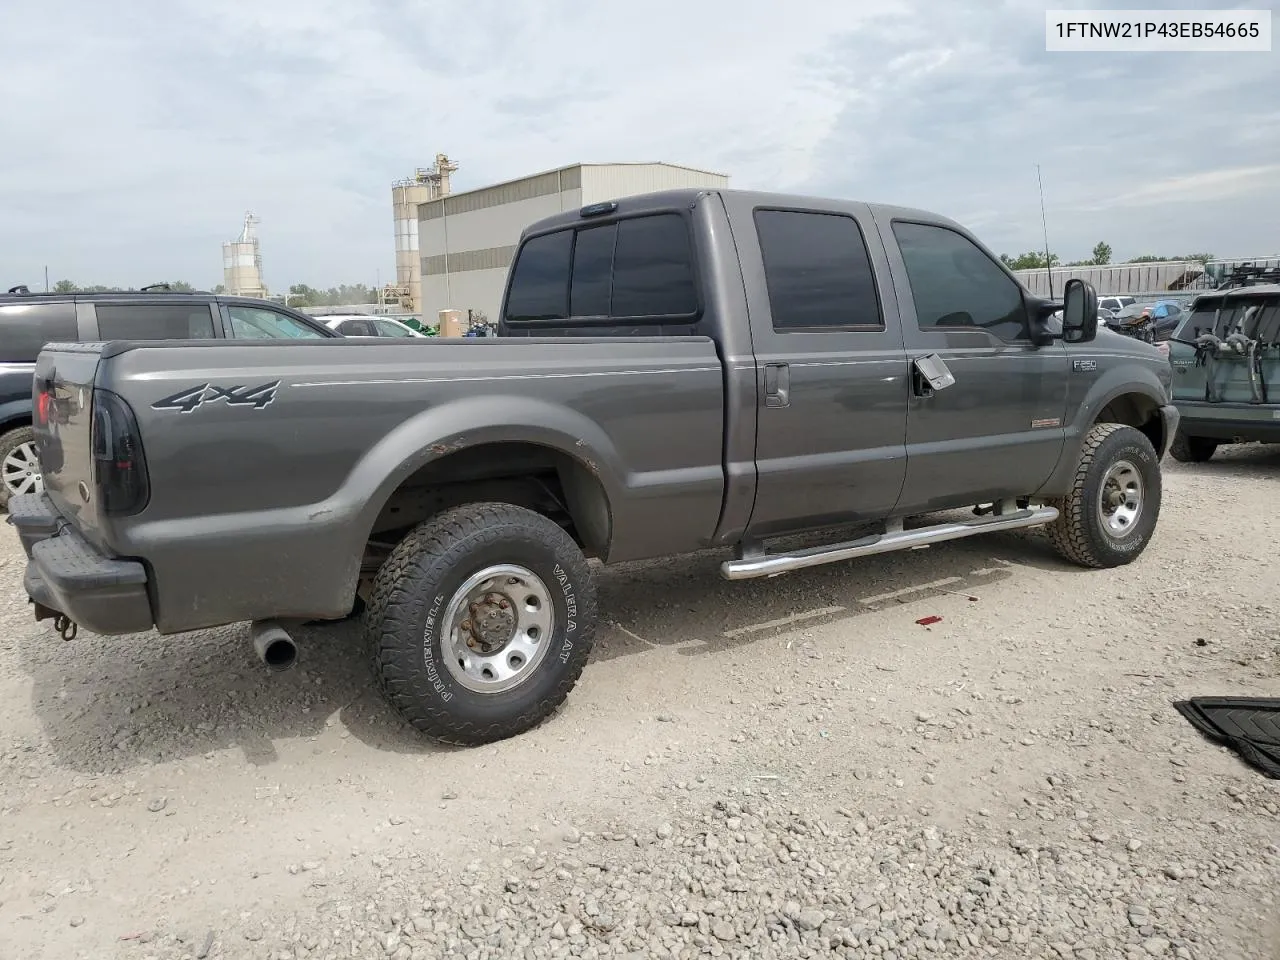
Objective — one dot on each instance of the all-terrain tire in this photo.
(1081, 533)
(1186, 449)
(404, 621)
(9, 443)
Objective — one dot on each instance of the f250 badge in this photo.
(236, 395)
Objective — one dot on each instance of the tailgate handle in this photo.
(777, 385)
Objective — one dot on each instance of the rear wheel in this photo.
(481, 622)
(1109, 516)
(19, 465)
(1186, 449)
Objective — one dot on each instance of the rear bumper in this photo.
(68, 575)
(1231, 422)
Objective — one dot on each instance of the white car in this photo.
(362, 325)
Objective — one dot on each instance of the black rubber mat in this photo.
(1248, 725)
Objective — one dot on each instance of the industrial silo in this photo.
(427, 183)
(242, 262)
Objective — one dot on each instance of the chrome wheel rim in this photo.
(497, 628)
(21, 470)
(1120, 499)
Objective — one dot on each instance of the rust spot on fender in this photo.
(440, 449)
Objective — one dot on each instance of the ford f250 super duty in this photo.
(673, 372)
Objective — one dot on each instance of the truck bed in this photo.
(279, 458)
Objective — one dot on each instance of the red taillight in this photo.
(43, 402)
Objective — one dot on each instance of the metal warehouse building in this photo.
(467, 240)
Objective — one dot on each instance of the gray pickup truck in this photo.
(673, 372)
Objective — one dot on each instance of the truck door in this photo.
(830, 366)
(998, 430)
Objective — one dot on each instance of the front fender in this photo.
(1127, 378)
(472, 421)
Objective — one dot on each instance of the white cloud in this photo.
(137, 140)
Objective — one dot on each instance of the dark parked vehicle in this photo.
(674, 371)
(30, 320)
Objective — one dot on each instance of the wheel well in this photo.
(16, 423)
(530, 475)
(1136, 410)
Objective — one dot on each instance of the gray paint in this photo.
(265, 513)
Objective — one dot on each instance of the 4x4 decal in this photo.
(236, 395)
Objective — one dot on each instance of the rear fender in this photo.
(469, 422)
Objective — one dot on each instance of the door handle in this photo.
(777, 385)
(929, 374)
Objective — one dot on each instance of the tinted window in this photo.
(593, 271)
(26, 327)
(955, 285)
(817, 270)
(653, 269)
(356, 328)
(251, 323)
(154, 321)
(540, 279)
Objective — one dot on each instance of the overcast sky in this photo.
(137, 134)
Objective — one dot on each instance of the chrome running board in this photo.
(764, 565)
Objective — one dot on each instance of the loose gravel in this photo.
(793, 768)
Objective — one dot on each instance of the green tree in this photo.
(65, 286)
(1029, 261)
(1101, 253)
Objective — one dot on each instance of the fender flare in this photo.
(470, 422)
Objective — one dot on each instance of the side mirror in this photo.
(1079, 312)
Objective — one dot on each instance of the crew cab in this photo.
(673, 372)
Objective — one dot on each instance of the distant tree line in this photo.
(300, 295)
(70, 286)
(1034, 260)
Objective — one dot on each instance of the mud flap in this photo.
(1248, 725)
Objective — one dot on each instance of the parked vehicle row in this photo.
(30, 320)
(675, 371)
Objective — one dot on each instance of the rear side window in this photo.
(638, 268)
(26, 327)
(955, 285)
(818, 271)
(155, 321)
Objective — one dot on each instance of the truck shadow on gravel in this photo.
(109, 704)
(684, 603)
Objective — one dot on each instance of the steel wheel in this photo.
(1120, 499)
(20, 470)
(497, 628)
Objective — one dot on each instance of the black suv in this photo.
(30, 320)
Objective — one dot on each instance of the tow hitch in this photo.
(63, 625)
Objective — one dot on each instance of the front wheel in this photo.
(1186, 449)
(481, 622)
(1109, 516)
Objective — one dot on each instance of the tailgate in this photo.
(62, 417)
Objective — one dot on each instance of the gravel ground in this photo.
(785, 768)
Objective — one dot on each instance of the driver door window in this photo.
(955, 285)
